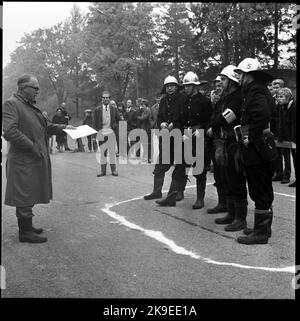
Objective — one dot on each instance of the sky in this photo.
(24, 17)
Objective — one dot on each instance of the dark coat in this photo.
(167, 106)
(131, 117)
(114, 118)
(287, 122)
(256, 114)
(154, 113)
(144, 118)
(232, 101)
(28, 177)
(193, 111)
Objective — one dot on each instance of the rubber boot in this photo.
(261, 231)
(249, 230)
(170, 200)
(157, 187)
(200, 195)
(113, 170)
(222, 206)
(26, 233)
(103, 170)
(180, 193)
(229, 218)
(239, 223)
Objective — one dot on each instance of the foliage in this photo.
(129, 48)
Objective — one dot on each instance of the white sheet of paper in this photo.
(80, 131)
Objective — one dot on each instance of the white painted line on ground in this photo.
(288, 195)
(159, 236)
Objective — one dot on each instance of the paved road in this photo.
(105, 241)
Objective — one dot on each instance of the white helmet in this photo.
(230, 73)
(170, 80)
(248, 64)
(191, 79)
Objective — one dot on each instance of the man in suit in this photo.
(105, 121)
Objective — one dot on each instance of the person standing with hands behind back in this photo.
(28, 166)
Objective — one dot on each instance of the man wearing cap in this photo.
(167, 106)
(227, 152)
(193, 114)
(257, 147)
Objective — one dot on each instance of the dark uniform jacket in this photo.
(232, 101)
(256, 114)
(167, 107)
(28, 175)
(194, 112)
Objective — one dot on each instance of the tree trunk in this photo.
(276, 23)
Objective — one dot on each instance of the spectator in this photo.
(59, 118)
(276, 84)
(88, 120)
(286, 130)
(131, 117)
(68, 118)
(105, 120)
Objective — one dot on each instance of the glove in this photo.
(36, 151)
(196, 133)
(220, 153)
(170, 126)
(163, 125)
(185, 137)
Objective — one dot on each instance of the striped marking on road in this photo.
(160, 237)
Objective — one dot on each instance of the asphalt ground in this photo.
(106, 241)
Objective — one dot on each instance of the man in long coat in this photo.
(28, 167)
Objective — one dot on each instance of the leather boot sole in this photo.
(248, 240)
(30, 237)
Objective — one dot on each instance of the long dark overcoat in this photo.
(28, 176)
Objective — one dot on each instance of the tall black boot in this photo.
(229, 218)
(200, 194)
(157, 187)
(249, 230)
(222, 206)
(26, 233)
(181, 189)
(103, 170)
(239, 223)
(261, 231)
(170, 200)
(113, 170)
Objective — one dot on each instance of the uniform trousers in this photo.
(259, 178)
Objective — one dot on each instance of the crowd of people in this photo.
(249, 125)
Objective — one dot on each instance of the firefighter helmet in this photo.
(248, 64)
(191, 79)
(170, 80)
(253, 65)
(229, 72)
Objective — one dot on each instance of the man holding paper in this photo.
(28, 167)
(105, 121)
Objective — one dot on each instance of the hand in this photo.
(209, 132)
(246, 141)
(70, 127)
(170, 126)
(164, 125)
(36, 150)
(196, 133)
(185, 137)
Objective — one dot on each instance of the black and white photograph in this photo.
(149, 155)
